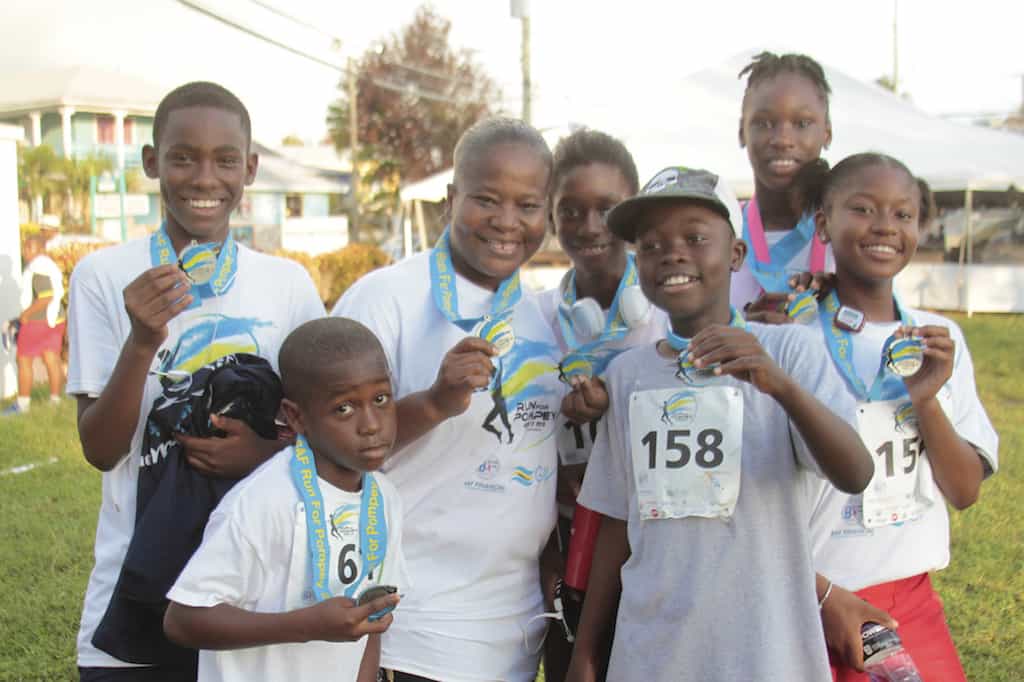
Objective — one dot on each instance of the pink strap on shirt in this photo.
(759, 244)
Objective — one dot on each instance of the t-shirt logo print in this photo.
(514, 385)
(210, 338)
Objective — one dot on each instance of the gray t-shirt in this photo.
(706, 598)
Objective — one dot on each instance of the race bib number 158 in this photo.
(685, 446)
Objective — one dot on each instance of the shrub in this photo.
(336, 271)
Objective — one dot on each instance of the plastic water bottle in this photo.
(885, 659)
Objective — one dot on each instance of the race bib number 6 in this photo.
(686, 450)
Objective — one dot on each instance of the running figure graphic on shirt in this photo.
(500, 408)
(515, 381)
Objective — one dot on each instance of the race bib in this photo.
(686, 447)
(899, 490)
(575, 441)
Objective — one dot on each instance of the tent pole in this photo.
(421, 225)
(406, 231)
(969, 236)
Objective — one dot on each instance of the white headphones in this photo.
(588, 319)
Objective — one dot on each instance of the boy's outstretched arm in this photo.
(603, 589)
(224, 626)
(834, 444)
(106, 424)
(370, 665)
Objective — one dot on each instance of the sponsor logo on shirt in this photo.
(488, 469)
(680, 408)
(528, 477)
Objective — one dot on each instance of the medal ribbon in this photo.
(446, 295)
(680, 344)
(373, 525)
(769, 266)
(615, 326)
(161, 252)
(886, 385)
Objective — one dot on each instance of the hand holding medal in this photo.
(932, 350)
(721, 350)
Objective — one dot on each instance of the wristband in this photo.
(828, 591)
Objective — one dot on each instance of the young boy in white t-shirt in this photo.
(312, 522)
(138, 324)
(697, 467)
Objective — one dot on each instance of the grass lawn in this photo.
(48, 517)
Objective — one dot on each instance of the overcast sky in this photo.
(953, 56)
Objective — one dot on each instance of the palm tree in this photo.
(39, 175)
(78, 174)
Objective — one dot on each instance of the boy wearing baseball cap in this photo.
(698, 468)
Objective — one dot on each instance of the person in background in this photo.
(784, 125)
(41, 323)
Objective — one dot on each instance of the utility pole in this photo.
(895, 47)
(351, 78)
(520, 9)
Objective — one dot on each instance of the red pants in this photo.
(918, 609)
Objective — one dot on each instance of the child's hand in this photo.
(464, 369)
(740, 355)
(587, 401)
(769, 308)
(939, 350)
(152, 300)
(338, 619)
(842, 616)
(822, 283)
(232, 456)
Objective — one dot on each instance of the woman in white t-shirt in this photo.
(918, 414)
(475, 367)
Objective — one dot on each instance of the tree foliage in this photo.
(416, 96)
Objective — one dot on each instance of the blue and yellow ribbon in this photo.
(373, 525)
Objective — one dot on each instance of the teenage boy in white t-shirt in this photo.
(477, 466)
(137, 321)
(313, 522)
(714, 571)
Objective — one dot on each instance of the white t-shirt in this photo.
(479, 509)
(574, 441)
(270, 297)
(744, 287)
(44, 265)
(712, 598)
(255, 556)
(856, 557)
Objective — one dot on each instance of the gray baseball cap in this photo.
(675, 183)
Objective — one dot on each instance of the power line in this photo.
(301, 22)
(198, 7)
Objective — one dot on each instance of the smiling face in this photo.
(498, 212)
(872, 220)
(581, 201)
(686, 253)
(348, 417)
(203, 163)
(785, 125)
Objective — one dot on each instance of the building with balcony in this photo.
(295, 202)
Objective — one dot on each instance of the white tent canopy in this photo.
(694, 121)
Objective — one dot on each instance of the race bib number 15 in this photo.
(686, 450)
